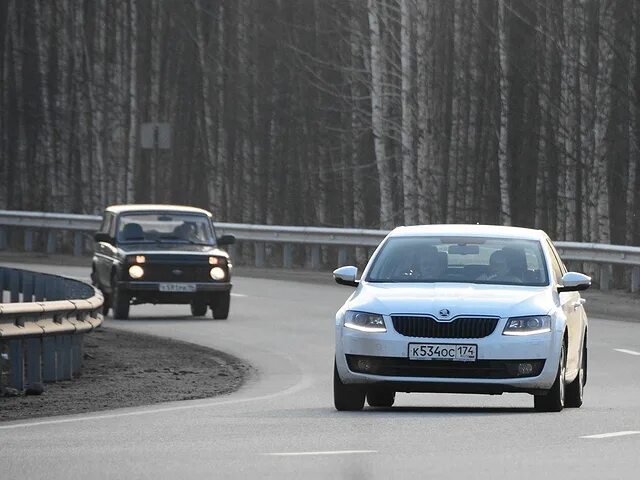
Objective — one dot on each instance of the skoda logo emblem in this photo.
(444, 312)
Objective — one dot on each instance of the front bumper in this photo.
(155, 286)
(493, 372)
(149, 292)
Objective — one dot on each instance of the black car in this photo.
(161, 254)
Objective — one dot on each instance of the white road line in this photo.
(334, 452)
(630, 352)
(238, 295)
(304, 383)
(613, 434)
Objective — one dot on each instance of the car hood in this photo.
(170, 248)
(458, 299)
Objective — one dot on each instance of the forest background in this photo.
(354, 113)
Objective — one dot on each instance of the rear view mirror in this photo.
(102, 237)
(226, 240)
(346, 276)
(574, 282)
(464, 249)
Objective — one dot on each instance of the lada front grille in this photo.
(176, 268)
(460, 327)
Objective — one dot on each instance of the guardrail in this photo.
(316, 245)
(43, 319)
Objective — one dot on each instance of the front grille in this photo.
(460, 327)
(176, 268)
(403, 367)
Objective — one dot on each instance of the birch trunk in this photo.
(409, 181)
(425, 149)
(208, 128)
(505, 204)
(133, 101)
(377, 120)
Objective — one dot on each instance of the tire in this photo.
(106, 304)
(381, 398)
(120, 303)
(575, 390)
(220, 305)
(346, 397)
(554, 400)
(198, 308)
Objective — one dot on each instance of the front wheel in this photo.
(575, 390)
(220, 305)
(120, 303)
(346, 397)
(553, 401)
(198, 308)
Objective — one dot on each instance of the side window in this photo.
(556, 264)
(110, 225)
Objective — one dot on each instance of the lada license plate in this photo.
(440, 351)
(177, 287)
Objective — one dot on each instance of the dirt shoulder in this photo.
(124, 369)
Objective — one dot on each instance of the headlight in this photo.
(217, 273)
(528, 325)
(364, 322)
(136, 271)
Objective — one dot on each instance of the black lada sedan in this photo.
(161, 254)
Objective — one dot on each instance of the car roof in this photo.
(118, 209)
(469, 230)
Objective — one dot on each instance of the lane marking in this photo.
(238, 295)
(630, 352)
(613, 434)
(331, 452)
(304, 383)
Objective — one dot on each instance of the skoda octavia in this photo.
(462, 309)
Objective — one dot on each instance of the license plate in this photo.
(177, 287)
(440, 351)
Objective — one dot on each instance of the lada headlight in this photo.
(364, 322)
(136, 271)
(527, 325)
(217, 273)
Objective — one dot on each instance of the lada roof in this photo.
(469, 230)
(119, 209)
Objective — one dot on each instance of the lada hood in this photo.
(456, 298)
(170, 248)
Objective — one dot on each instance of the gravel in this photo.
(126, 370)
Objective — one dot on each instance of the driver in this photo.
(499, 269)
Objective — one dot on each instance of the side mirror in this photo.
(102, 237)
(226, 240)
(346, 276)
(574, 282)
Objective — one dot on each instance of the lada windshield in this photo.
(169, 227)
(503, 261)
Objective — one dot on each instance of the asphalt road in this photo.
(283, 424)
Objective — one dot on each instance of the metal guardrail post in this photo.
(287, 255)
(315, 257)
(16, 377)
(258, 249)
(34, 364)
(77, 244)
(4, 242)
(605, 277)
(635, 280)
(28, 240)
(49, 359)
(343, 256)
(51, 242)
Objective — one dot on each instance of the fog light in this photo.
(136, 271)
(364, 365)
(525, 369)
(217, 273)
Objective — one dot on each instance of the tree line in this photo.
(359, 113)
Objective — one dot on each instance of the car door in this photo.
(572, 308)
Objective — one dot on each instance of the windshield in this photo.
(165, 227)
(501, 261)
